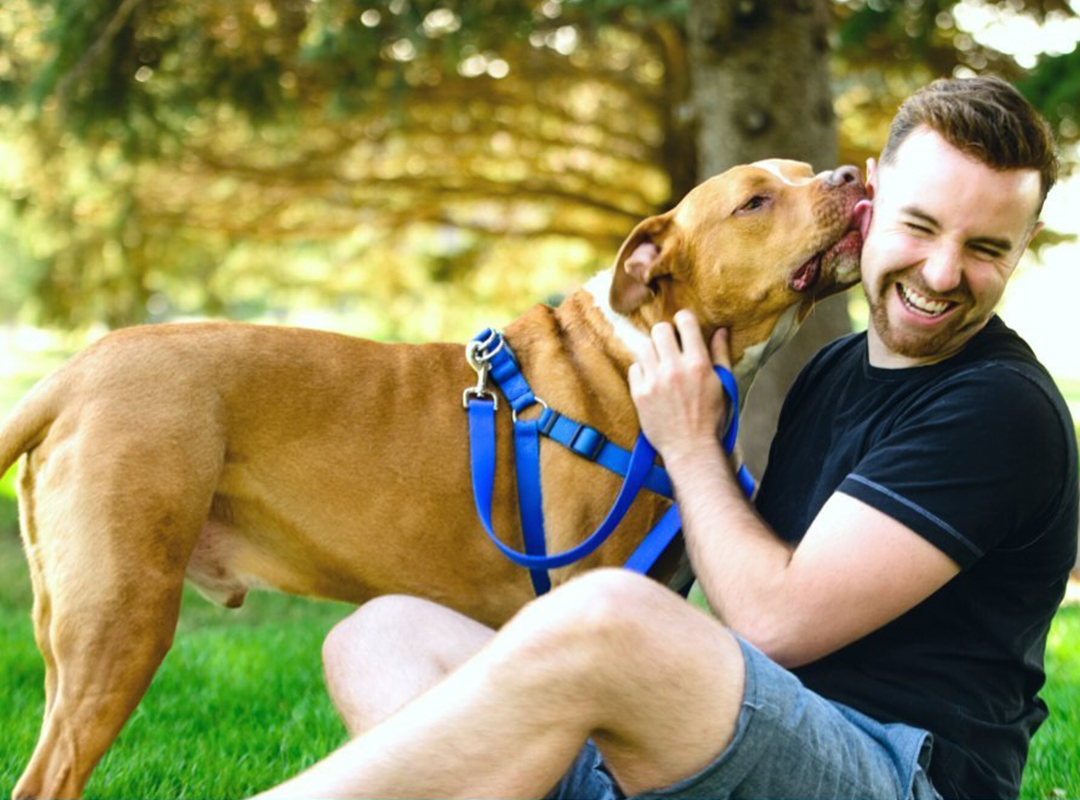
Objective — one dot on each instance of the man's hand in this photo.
(679, 399)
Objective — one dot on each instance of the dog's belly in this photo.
(217, 566)
(246, 549)
(267, 538)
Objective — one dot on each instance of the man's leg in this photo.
(655, 682)
(391, 650)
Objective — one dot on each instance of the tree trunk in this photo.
(760, 87)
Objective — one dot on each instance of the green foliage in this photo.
(1054, 87)
(151, 152)
(166, 159)
(115, 62)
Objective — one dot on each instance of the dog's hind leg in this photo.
(42, 612)
(109, 559)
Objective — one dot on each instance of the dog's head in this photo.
(757, 244)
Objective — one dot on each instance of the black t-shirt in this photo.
(976, 454)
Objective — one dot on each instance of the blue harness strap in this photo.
(668, 528)
(654, 545)
(591, 444)
(530, 499)
(489, 353)
(482, 427)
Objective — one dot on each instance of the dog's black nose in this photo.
(845, 174)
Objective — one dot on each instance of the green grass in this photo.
(9, 511)
(239, 703)
(1053, 768)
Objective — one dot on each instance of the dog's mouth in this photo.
(837, 266)
(806, 275)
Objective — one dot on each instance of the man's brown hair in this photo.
(984, 117)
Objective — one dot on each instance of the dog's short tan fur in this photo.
(317, 464)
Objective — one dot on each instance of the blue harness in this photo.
(490, 355)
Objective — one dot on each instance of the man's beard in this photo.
(910, 344)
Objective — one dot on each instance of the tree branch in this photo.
(97, 48)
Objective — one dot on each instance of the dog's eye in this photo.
(754, 203)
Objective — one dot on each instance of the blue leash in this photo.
(489, 354)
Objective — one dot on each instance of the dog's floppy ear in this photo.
(644, 256)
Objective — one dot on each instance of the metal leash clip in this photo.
(478, 358)
(477, 351)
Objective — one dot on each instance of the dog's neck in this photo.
(626, 332)
(633, 338)
(755, 356)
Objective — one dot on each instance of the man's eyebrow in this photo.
(918, 213)
(1004, 245)
(985, 241)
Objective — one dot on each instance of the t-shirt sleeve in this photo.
(980, 458)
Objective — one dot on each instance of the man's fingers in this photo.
(719, 347)
(663, 336)
(645, 355)
(693, 343)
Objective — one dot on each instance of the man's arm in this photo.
(854, 570)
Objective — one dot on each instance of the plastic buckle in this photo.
(587, 442)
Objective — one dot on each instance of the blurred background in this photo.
(421, 169)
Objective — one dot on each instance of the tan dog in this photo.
(244, 456)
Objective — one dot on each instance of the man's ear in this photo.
(1034, 232)
(645, 256)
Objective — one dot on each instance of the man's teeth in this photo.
(921, 303)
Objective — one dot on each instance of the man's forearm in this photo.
(739, 561)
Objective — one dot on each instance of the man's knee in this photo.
(595, 618)
(597, 640)
(397, 632)
(605, 603)
(379, 623)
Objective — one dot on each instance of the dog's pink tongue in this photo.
(644, 255)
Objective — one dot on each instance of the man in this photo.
(912, 540)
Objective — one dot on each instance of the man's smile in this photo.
(921, 305)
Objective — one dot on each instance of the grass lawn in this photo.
(1053, 768)
(239, 703)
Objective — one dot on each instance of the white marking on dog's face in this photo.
(599, 286)
(797, 173)
(769, 166)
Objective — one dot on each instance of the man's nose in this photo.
(942, 269)
(844, 174)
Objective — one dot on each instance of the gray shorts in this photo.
(789, 742)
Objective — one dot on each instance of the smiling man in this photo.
(944, 460)
(949, 234)
(882, 613)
